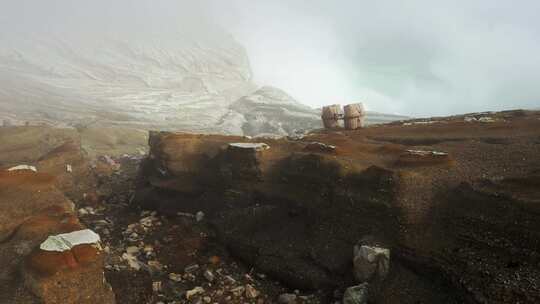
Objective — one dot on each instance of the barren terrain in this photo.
(189, 218)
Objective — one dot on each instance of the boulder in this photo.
(370, 263)
(47, 255)
(63, 272)
(356, 294)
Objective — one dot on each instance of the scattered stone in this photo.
(148, 249)
(191, 268)
(207, 299)
(175, 277)
(101, 223)
(132, 250)
(209, 275)
(483, 119)
(148, 221)
(370, 262)
(157, 286)
(320, 147)
(109, 161)
(193, 292)
(237, 291)
(251, 292)
(287, 298)
(156, 265)
(248, 277)
(230, 280)
(133, 262)
(199, 216)
(133, 237)
(486, 119)
(356, 294)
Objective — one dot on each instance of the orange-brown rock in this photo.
(184, 153)
(73, 276)
(31, 209)
(47, 263)
(24, 194)
(70, 167)
(462, 226)
(47, 224)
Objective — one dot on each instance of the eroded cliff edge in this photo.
(454, 199)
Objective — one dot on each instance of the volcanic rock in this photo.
(370, 263)
(356, 294)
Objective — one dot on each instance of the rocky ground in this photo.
(152, 258)
(441, 210)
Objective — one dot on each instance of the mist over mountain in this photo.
(149, 77)
(165, 73)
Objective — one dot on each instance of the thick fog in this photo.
(407, 57)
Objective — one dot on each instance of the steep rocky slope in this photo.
(145, 79)
(198, 81)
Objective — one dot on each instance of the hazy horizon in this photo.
(418, 58)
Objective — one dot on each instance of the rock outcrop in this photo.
(36, 215)
(460, 225)
(33, 210)
(262, 201)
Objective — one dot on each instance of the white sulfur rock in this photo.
(66, 241)
(255, 146)
(426, 153)
(23, 167)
